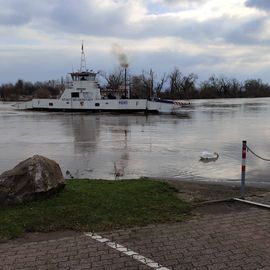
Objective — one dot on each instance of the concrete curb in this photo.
(252, 203)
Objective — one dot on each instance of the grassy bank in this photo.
(95, 205)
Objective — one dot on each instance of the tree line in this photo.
(177, 85)
(24, 90)
(174, 85)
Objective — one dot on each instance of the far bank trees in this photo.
(148, 84)
(22, 90)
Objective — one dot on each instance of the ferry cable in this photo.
(265, 159)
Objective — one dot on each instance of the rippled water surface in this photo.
(168, 146)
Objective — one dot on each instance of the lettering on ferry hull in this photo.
(77, 99)
(123, 102)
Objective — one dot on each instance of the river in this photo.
(89, 145)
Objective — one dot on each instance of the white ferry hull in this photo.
(104, 105)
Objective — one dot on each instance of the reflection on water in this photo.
(144, 145)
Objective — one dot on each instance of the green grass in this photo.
(95, 205)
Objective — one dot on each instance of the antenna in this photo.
(83, 62)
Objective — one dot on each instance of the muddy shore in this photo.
(197, 192)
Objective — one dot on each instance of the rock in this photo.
(31, 179)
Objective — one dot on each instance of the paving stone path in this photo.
(219, 236)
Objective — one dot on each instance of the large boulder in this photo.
(31, 179)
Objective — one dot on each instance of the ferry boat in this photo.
(82, 94)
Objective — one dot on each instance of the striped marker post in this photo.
(243, 171)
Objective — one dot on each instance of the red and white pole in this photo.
(243, 170)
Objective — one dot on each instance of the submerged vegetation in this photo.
(174, 85)
(95, 205)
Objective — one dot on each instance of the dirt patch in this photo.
(221, 208)
(197, 192)
(215, 198)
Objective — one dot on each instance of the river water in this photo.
(89, 145)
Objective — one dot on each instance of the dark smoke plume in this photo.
(118, 51)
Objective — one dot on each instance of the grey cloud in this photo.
(88, 19)
(179, 2)
(29, 64)
(71, 19)
(115, 23)
(13, 13)
(187, 63)
(16, 13)
(82, 17)
(259, 4)
(247, 32)
(223, 29)
(14, 19)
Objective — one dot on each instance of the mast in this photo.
(83, 62)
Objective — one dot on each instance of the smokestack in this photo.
(123, 61)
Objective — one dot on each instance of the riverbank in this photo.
(227, 235)
(100, 205)
(198, 191)
(96, 205)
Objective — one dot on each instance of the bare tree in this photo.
(146, 85)
(159, 85)
(115, 79)
(188, 85)
(148, 82)
(181, 86)
(175, 79)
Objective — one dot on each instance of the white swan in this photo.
(207, 156)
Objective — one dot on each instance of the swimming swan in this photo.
(206, 156)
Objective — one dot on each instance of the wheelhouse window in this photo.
(75, 94)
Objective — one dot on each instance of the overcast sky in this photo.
(41, 40)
